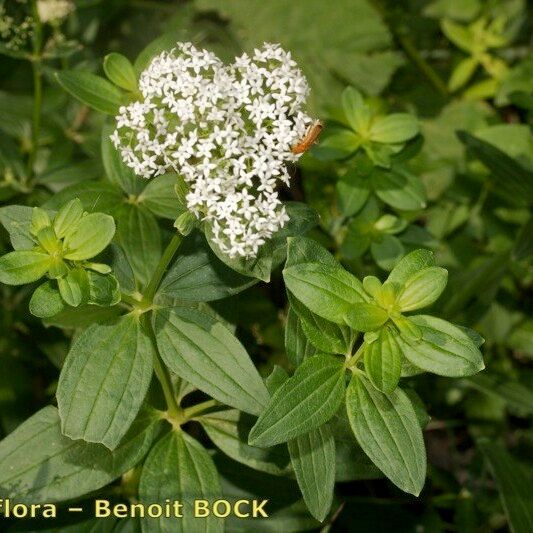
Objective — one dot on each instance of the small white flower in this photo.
(50, 10)
(227, 130)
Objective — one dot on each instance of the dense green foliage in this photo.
(368, 370)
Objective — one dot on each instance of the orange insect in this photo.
(311, 135)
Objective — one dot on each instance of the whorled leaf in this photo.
(304, 402)
(387, 428)
(104, 380)
(203, 351)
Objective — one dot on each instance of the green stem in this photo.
(352, 361)
(482, 198)
(174, 411)
(126, 298)
(165, 260)
(411, 51)
(37, 87)
(424, 67)
(197, 410)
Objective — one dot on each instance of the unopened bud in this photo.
(186, 222)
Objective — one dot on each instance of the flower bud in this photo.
(186, 222)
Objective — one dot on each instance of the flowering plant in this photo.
(262, 279)
(227, 132)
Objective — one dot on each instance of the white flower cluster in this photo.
(227, 130)
(52, 10)
(14, 34)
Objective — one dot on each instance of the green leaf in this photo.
(103, 289)
(360, 230)
(387, 429)
(313, 461)
(39, 220)
(117, 172)
(16, 219)
(512, 139)
(89, 237)
(476, 338)
(297, 346)
(120, 71)
(83, 316)
(352, 193)
(338, 143)
(422, 288)
(47, 239)
(482, 277)
(463, 71)
(165, 42)
(302, 219)
(328, 291)
(304, 402)
(444, 349)
(383, 361)
(374, 287)
(513, 484)
(351, 462)
(179, 468)
(390, 224)
(122, 269)
(419, 407)
(91, 90)
(256, 267)
(512, 181)
(407, 328)
(197, 275)
(410, 265)
(399, 189)
(523, 247)
(229, 431)
(95, 195)
(271, 254)
(305, 250)
(74, 287)
(366, 316)
(104, 380)
(395, 128)
(458, 34)
(326, 336)
(140, 238)
(355, 243)
(99, 268)
(276, 379)
(353, 29)
(68, 216)
(387, 251)
(465, 10)
(160, 197)
(381, 154)
(23, 266)
(204, 352)
(517, 396)
(58, 178)
(409, 370)
(357, 112)
(38, 463)
(46, 301)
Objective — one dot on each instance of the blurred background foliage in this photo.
(465, 69)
